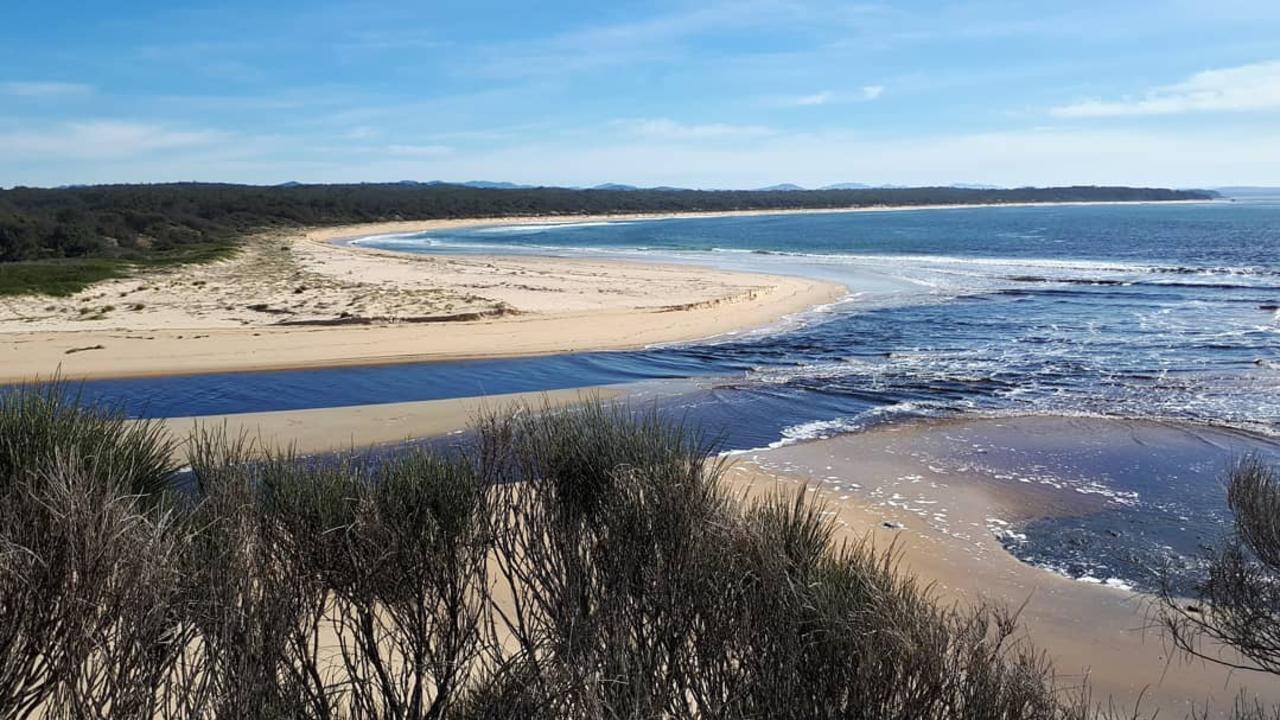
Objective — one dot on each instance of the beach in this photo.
(360, 427)
(310, 298)
(1018, 328)
(917, 489)
(300, 300)
(943, 496)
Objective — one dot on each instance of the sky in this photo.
(706, 93)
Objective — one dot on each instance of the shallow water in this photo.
(1150, 311)
(1145, 311)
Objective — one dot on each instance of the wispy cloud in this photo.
(44, 89)
(361, 132)
(418, 151)
(388, 39)
(819, 98)
(100, 139)
(1012, 158)
(1236, 89)
(666, 38)
(827, 97)
(663, 129)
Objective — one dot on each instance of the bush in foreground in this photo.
(1234, 620)
(578, 563)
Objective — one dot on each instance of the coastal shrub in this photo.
(255, 607)
(641, 589)
(416, 591)
(1234, 619)
(91, 560)
(571, 563)
(602, 520)
(44, 425)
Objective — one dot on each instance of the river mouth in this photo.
(1143, 314)
(1133, 504)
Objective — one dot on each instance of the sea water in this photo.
(1152, 311)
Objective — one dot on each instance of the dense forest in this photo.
(146, 221)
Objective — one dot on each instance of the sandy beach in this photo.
(310, 299)
(338, 429)
(297, 299)
(307, 298)
(915, 487)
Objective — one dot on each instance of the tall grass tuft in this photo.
(45, 425)
(574, 563)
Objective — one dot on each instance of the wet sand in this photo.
(942, 493)
(343, 428)
(929, 489)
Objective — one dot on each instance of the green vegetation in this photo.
(67, 276)
(1235, 618)
(57, 241)
(569, 564)
(582, 563)
(57, 277)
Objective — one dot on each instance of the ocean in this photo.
(1158, 312)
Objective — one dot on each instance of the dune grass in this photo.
(67, 276)
(578, 563)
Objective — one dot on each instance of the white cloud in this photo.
(826, 97)
(1014, 158)
(99, 139)
(361, 132)
(1237, 89)
(689, 155)
(662, 129)
(419, 151)
(44, 89)
(820, 98)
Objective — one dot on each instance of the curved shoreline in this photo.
(346, 234)
(941, 497)
(492, 307)
(133, 345)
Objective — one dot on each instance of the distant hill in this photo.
(1249, 191)
(493, 185)
(614, 186)
(152, 221)
(485, 184)
(846, 186)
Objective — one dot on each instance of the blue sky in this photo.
(702, 94)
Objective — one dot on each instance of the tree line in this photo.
(148, 221)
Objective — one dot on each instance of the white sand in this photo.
(228, 315)
(344, 428)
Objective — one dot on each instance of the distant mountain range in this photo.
(780, 187)
(1241, 191)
